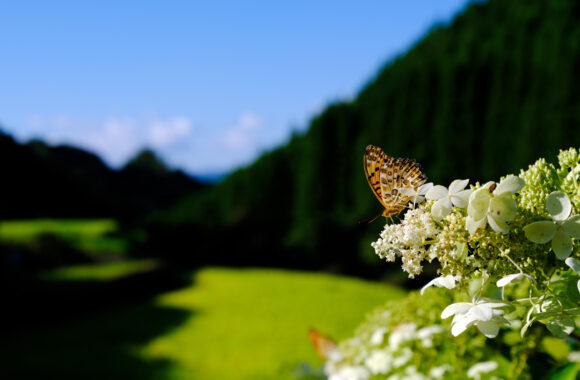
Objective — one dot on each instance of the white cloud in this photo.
(250, 121)
(242, 134)
(162, 133)
(115, 139)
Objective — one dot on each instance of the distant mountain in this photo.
(481, 97)
(210, 177)
(43, 181)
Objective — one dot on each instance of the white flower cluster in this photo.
(390, 355)
(453, 227)
(409, 240)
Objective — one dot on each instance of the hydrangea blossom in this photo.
(494, 206)
(560, 230)
(447, 198)
(422, 349)
(407, 240)
(448, 282)
(483, 314)
(350, 373)
(479, 369)
(525, 213)
(418, 196)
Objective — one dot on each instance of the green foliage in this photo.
(40, 181)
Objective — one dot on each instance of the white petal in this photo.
(418, 199)
(508, 279)
(406, 191)
(442, 282)
(503, 207)
(423, 189)
(457, 185)
(428, 285)
(481, 312)
(461, 198)
(516, 277)
(562, 245)
(456, 308)
(484, 367)
(448, 281)
(540, 232)
(572, 226)
(473, 225)
(488, 328)
(578, 285)
(437, 192)
(558, 205)
(428, 331)
(498, 225)
(493, 305)
(573, 263)
(462, 324)
(478, 203)
(511, 184)
(441, 208)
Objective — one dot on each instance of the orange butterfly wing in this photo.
(323, 344)
(386, 175)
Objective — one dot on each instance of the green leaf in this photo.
(540, 232)
(566, 372)
(561, 326)
(558, 205)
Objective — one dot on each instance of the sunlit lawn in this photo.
(106, 271)
(229, 324)
(89, 235)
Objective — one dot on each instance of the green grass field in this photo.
(107, 271)
(229, 324)
(89, 235)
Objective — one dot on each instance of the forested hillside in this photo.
(478, 98)
(40, 181)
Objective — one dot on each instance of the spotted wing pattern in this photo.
(386, 175)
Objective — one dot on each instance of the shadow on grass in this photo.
(105, 346)
(87, 330)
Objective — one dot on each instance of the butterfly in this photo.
(393, 180)
(324, 345)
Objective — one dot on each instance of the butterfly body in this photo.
(388, 175)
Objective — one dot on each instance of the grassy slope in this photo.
(230, 324)
(107, 271)
(91, 235)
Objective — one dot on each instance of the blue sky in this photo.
(208, 85)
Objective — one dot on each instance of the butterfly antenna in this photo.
(369, 220)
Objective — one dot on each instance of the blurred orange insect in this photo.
(324, 345)
(388, 175)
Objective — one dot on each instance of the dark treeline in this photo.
(63, 182)
(479, 98)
